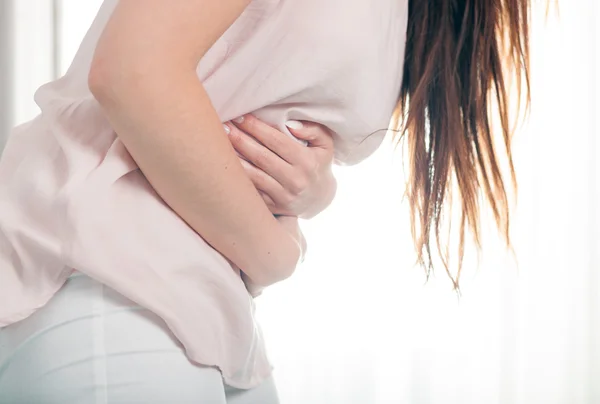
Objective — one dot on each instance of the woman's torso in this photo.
(72, 197)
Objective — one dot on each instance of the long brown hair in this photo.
(461, 58)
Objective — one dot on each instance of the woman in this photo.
(149, 89)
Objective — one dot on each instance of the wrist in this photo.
(328, 192)
(292, 227)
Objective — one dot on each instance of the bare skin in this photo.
(144, 76)
(294, 180)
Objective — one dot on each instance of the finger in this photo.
(263, 182)
(239, 155)
(278, 142)
(228, 132)
(316, 135)
(268, 200)
(271, 191)
(260, 156)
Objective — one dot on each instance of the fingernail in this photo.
(294, 125)
(239, 120)
(227, 129)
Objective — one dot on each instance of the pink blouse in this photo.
(71, 197)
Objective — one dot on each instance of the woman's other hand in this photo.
(293, 179)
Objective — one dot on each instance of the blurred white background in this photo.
(358, 324)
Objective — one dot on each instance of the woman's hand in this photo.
(293, 179)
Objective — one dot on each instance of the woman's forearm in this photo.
(165, 118)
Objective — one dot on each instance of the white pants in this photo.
(91, 345)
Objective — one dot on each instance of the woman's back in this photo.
(72, 197)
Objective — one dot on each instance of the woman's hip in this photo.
(90, 344)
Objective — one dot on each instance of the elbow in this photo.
(289, 254)
(122, 79)
(105, 83)
(104, 89)
(265, 278)
(284, 271)
(285, 265)
(114, 80)
(281, 267)
(98, 80)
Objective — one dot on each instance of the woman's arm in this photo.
(144, 76)
(291, 223)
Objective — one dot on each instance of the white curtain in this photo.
(27, 56)
(358, 324)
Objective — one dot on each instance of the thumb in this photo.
(316, 135)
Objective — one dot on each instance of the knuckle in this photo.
(279, 143)
(262, 159)
(325, 132)
(260, 179)
(250, 123)
(286, 200)
(299, 185)
(316, 129)
(235, 137)
(309, 166)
